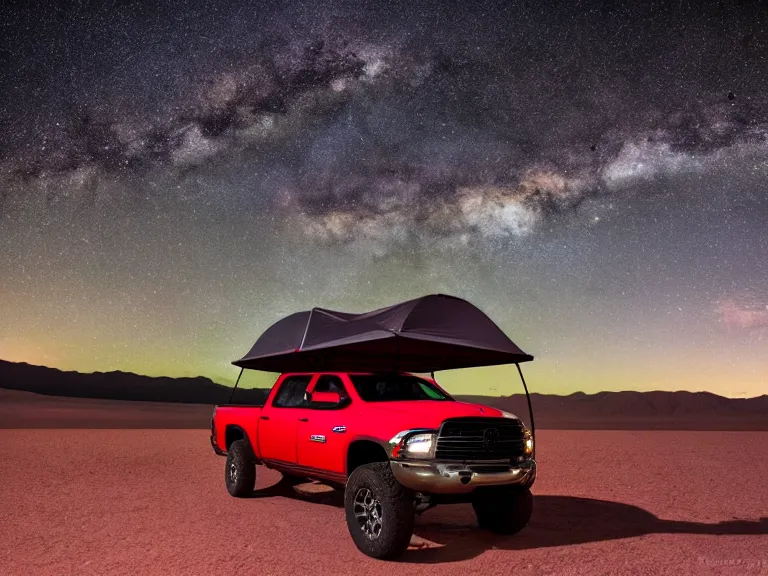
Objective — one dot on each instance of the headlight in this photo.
(418, 445)
(508, 415)
(397, 438)
(527, 442)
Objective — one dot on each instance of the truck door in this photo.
(322, 437)
(278, 422)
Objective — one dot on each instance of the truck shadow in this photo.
(556, 521)
(450, 533)
(302, 490)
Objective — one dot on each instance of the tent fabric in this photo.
(427, 334)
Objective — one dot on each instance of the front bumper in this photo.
(436, 477)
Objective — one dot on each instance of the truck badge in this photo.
(491, 438)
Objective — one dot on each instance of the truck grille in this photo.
(479, 439)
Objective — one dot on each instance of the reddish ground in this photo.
(106, 502)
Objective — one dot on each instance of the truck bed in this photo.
(235, 417)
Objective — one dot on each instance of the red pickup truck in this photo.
(397, 444)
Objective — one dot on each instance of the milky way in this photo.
(174, 179)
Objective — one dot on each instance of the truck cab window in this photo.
(291, 393)
(395, 388)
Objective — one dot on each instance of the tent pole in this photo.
(397, 354)
(306, 328)
(232, 394)
(530, 408)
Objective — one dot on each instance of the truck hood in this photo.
(428, 413)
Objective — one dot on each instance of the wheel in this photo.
(240, 470)
(379, 511)
(505, 512)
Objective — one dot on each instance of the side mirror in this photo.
(326, 397)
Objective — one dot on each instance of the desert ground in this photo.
(105, 502)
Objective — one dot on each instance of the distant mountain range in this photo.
(604, 410)
(120, 386)
(637, 410)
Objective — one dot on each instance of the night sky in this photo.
(176, 177)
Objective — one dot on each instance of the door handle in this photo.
(264, 417)
(303, 419)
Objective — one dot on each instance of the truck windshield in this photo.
(395, 387)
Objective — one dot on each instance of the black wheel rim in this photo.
(233, 473)
(368, 513)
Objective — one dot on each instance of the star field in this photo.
(174, 178)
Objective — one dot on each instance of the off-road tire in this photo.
(396, 506)
(240, 470)
(505, 512)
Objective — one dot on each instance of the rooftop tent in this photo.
(428, 334)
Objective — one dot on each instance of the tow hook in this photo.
(465, 477)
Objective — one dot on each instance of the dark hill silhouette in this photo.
(605, 410)
(120, 386)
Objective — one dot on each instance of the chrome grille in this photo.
(466, 439)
